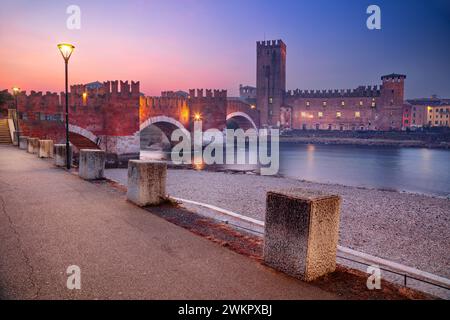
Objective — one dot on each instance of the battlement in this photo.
(163, 102)
(107, 88)
(270, 44)
(393, 77)
(207, 94)
(361, 91)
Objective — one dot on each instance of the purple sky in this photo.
(171, 45)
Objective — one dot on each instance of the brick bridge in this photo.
(111, 115)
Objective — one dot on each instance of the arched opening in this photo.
(156, 133)
(240, 120)
(82, 139)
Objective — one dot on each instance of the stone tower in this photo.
(270, 80)
(390, 111)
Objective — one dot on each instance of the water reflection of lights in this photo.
(311, 148)
(199, 166)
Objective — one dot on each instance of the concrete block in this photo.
(92, 164)
(301, 232)
(60, 155)
(45, 149)
(33, 145)
(146, 182)
(23, 142)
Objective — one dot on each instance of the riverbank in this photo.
(410, 229)
(366, 142)
(436, 139)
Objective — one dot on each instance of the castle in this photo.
(363, 108)
(111, 115)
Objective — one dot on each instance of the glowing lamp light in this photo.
(16, 90)
(197, 117)
(66, 50)
(252, 106)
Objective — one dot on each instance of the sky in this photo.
(182, 44)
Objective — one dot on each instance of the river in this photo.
(418, 170)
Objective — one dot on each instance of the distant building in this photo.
(426, 112)
(247, 92)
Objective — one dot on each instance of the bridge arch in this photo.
(163, 119)
(82, 138)
(239, 114)
(166, 125)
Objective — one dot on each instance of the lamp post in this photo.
(16, 91)
(66, 51)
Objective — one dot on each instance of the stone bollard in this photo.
(92, 164)
(33, 145)
(60, 155)
(45, 149)
(146, 182)
(301, 233)
(23, 142)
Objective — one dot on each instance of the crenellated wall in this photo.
(103, 111)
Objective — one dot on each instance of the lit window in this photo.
(324, 103)
(361, 103)
(270, 100)
(357, 114)
(338, 114)
(303, 114)
(320, 114)
(307, 103)
(342, 103)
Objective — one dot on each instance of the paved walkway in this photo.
(50, 219)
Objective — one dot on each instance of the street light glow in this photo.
(197, 117)
(66, 50)
(16, 90)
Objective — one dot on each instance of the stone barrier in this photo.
(45, 149)
(301, 232)
(23, 142)
(146, 182)
(60, 155)
(92, 164)
(33, 145)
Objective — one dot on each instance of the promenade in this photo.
(50, 219)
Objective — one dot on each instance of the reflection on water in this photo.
(404, 169)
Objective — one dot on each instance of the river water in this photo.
(417, 170)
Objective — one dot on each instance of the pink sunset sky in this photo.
(183, 44)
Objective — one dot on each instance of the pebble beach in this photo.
(410, 229)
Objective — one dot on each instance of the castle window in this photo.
(307, 103)
(270, 100)
(357, 114)
(320, 114)
(324, 103)
(360, 103)
(338, 114)
(342, 103)
(303, 114)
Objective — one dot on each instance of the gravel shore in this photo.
(406, 228)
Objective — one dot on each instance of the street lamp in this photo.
(16, 91)
(66, 51)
